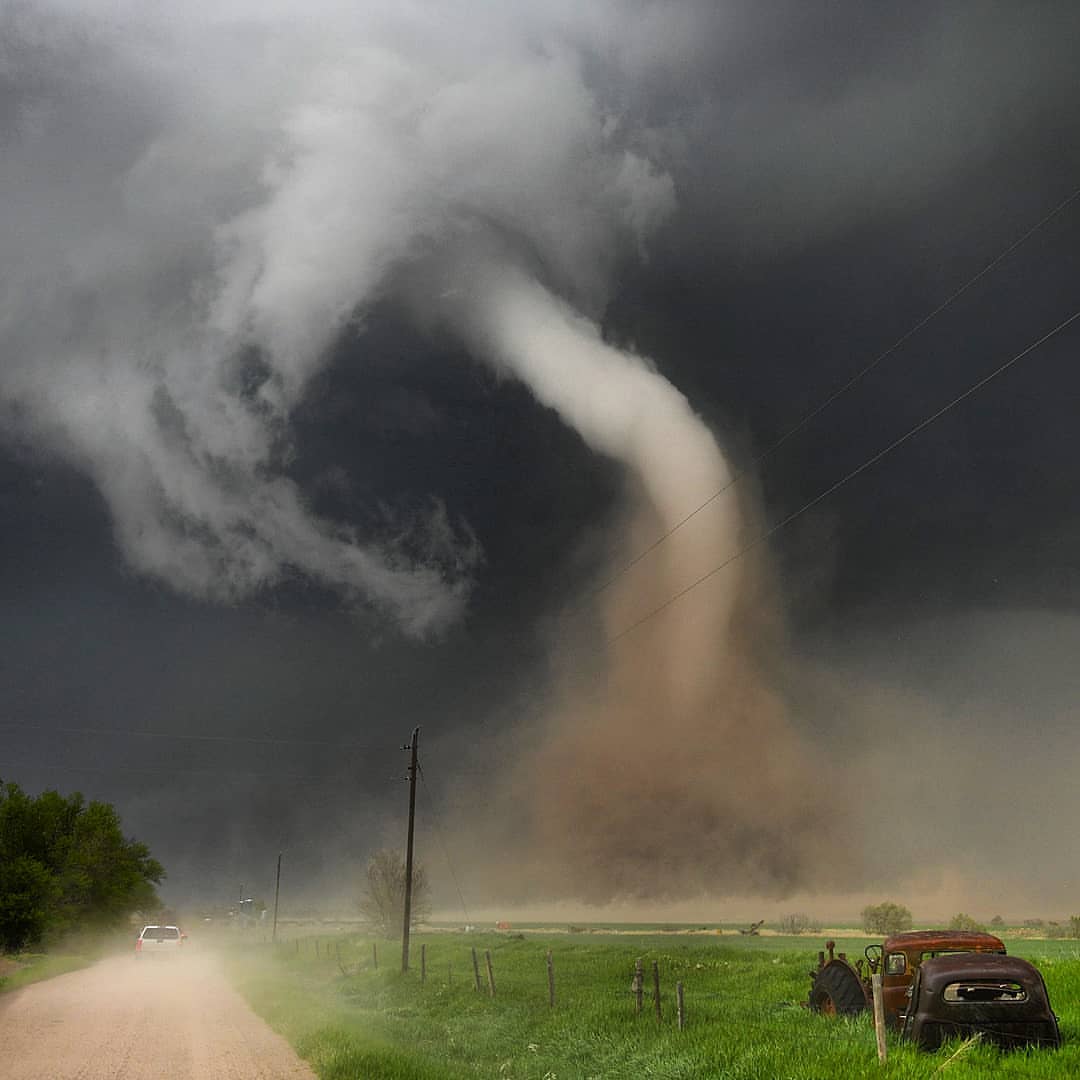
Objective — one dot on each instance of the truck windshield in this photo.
(963, 992)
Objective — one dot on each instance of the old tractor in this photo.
(841, 987)
(937, 984)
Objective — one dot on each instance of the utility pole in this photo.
(277, 890)
(414, 744)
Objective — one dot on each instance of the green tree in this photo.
(382, 899)
(27, 894)
(886, 918)
(65, 865)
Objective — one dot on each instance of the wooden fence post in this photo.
(375, 955)
(656, 988)
(490, 972)
(679, 1005)
(638, 985)
(423, 964)
(551, 979)
(475, 971)
(879, 1016)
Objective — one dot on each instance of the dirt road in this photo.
(171, 1018)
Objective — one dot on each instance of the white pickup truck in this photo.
(160, 941)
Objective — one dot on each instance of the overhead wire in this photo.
(839, 392)
(442, 842)
(873, 460)
(674, 598)
(134, 733)
(109, 770)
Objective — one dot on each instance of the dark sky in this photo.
(820, 177)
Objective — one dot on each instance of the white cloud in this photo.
(197, 202)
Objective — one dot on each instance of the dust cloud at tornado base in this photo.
(664, 764)
(688, 754)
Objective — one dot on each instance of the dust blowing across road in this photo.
(170, 1020)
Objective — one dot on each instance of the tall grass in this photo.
(744, 1018)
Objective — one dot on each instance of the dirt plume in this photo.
(665, 762)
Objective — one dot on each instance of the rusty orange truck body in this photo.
(842, 986)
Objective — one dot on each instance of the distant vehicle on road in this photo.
(160, 941)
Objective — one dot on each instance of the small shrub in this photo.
(382, 901)
(886, 918)
(1069, 929)
(798, 922)
(997, 922)
(1033, 924)
(963, 921)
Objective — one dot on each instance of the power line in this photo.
(109, 770)
(751, 545)
(267, 740)
(855, 379)
(909, 434)
(442, 842)
(670, 601)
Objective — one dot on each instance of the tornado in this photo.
(673, 769)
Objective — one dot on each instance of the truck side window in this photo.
(895, 964)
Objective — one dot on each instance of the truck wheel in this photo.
(837, 991)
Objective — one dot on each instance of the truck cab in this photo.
(842, 987)
(903, 954)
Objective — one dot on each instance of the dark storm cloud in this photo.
(197, 203)
(825, 116)
(202, 201)
(216, 225)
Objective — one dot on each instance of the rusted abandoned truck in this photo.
(1001, 998)
(969, 986)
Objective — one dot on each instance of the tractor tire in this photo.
(837, 991)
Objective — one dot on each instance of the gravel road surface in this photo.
(170, 1018)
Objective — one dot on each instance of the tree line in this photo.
(66, 866)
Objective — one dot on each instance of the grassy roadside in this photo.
(26, 968)
(59, 957)
(742, 998)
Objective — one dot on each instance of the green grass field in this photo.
(742, 1004)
